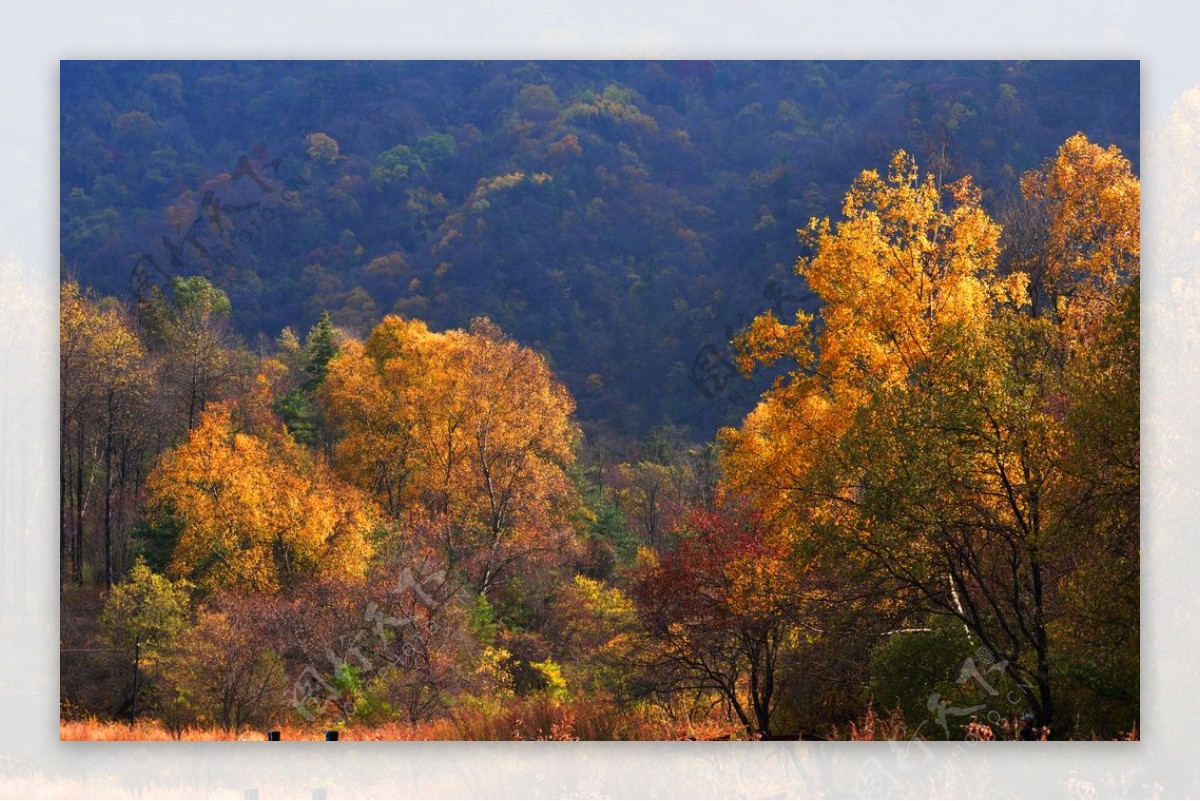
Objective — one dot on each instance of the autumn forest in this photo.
(600, 400)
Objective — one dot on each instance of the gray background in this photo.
(33, 37)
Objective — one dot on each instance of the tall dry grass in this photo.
(533, 718)
(95, 729)
(873, 726)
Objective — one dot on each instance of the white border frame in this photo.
(34, 36)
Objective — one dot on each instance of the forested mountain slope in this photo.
(624, 218)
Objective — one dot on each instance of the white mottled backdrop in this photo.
(35, 35)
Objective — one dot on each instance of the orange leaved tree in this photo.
(928, 442)
(464, 438)
(257, 513)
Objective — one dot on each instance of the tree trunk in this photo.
(1046, 716)
(108, 487)
(762, 684)
(77, 550)
(64, 490)
(137, 655)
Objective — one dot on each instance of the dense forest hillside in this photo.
(625, 219)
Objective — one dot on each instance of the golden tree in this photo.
(901, 278)
(925, 444)
(463, 437)
(1089, 200)
(258, 514)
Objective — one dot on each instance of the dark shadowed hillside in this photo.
(625, 218)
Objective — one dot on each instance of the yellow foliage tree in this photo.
(464, 437)
(1088, 199)
(258, 514)
(903, 279)
(1091, 201)
(926, 441)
